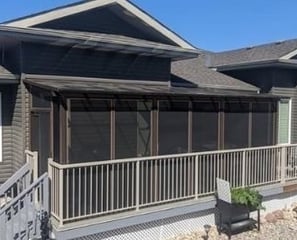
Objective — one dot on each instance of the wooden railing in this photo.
(93, 189)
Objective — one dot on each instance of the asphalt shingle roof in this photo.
(100, 85)
(195, 71)
(260, 53)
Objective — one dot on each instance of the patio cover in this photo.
(119, 86)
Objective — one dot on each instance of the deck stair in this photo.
(24, 203)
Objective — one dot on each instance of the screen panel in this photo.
(132, 129)
(90, 131)
(205, 126)
(173, 127)
(236, 125)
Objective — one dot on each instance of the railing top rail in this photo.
(159, 157)
(12, 180)
(28, 152)
(23, 193)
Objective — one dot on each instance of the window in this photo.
(205, 126)
(284, 121)
(236, 125)
(0, 127)
(132, 129)
(90, 131)
(173, 127)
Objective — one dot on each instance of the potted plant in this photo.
(247, 197)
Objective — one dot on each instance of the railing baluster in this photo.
(243, 168)
(196, 175)
(73, 192)
(137, 184)
(91, 190)
(67, 193)
(96, 193)
(61, 191)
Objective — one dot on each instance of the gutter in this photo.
(258, 64)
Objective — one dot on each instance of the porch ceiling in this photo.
(119, 86)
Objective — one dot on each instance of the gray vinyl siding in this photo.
(110, 20)
(54, 60)
(7, 156)
(17, 130)
(12, 133)
(260, 77)
(290, 93)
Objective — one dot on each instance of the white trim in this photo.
(0, 127)
(289, 55)
(58, 13)
(63, 12)
(155, 24)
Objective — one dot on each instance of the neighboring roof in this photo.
(84, 85)
(195, 71)
(6, 75)
(271, 53)
(105, 42)
(83, 6)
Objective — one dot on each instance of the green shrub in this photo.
(248, 197)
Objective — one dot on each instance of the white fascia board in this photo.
(155, 24)
(58, 13)
(289, 55)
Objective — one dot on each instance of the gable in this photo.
(118, 17)
(111, 19)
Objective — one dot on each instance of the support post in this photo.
(283, 164)
(35, 166)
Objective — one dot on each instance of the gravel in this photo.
(281, 230)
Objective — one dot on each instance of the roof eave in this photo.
(256, 64)
(175, 53)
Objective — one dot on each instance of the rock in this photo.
(262, 219)
(278, 214)
(294, 209)
(288, 215)
(270, 218)
(294, 205)
(213, 233)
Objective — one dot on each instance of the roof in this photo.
(6, 75)
(195, 71)
(114, 86)
(271, 52)
(83, 6)
(102, 41)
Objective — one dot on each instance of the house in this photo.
(272, 68)
(121, 111)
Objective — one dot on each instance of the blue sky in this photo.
(215, 25)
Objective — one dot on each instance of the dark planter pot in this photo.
(234, 217)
